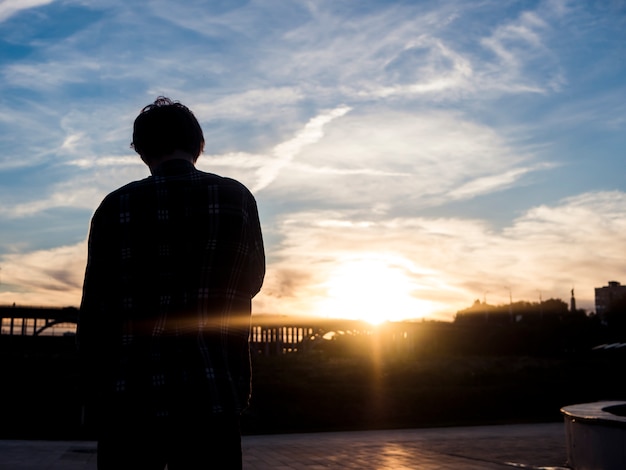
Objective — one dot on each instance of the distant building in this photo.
(605, 296)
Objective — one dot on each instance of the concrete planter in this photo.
(596, 435)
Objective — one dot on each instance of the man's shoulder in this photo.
(127, 188)
(204, 178)
(223, 181)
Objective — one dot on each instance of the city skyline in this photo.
(407, 157)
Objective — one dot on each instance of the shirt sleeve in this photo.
(97, 273)
(256, 267)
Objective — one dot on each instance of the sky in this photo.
(408, 158)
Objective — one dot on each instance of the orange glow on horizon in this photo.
(372, 289)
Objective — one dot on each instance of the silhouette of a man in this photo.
(173, 263)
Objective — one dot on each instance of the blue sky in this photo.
(407, 157)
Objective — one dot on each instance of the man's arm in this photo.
(256, 270)
(92, 319)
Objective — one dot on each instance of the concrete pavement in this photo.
(525, 446)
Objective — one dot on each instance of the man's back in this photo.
(174, 257)
(174, 261)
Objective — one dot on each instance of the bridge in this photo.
(278, 334)
(33, 321)
(269, 334)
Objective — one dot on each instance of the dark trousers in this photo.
(180, 442)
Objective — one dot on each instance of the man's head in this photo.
(164, 127)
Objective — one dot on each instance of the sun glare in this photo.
(373, 290)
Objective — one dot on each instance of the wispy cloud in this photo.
(285, 152)
(82, 189)
(495, 182)
(44, 277)
(425, 66)
(261, 104)
(523, 60)
(105, 161)
(402, 160)
(9, 8)
(47, 76)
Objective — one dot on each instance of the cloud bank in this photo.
(465, 149)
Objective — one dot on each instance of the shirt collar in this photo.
(174, 168)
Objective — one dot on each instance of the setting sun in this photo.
(371, 289)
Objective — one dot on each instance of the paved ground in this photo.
(527, 446)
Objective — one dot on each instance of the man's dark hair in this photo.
(165, 126)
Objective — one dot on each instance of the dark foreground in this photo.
(297, 393)
(530, 446)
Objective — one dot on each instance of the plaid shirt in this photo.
(174, 261)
